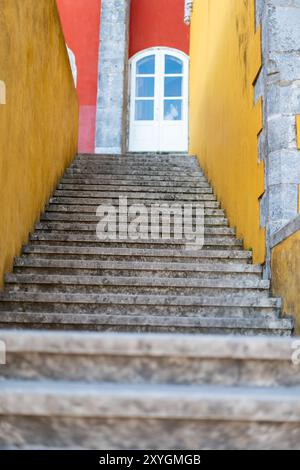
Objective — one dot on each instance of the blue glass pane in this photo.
(173, 65)
(173, 110)
(146, 66)
(144, 110)
(144, 87)
(173, 86)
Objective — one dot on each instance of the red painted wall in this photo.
(156, 23)
(81, 24)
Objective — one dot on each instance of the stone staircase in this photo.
(143, 379)
(67, 278)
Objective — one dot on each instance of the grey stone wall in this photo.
(279, 84)
(112, 81)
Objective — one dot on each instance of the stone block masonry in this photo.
(112, 81)
(279, 85)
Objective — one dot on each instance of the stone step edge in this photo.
(215, 242)
(147, 252)
(67, 238)
(265, 348)
(137, 265)
(148, 300)
(122, 281)
(105, 400)
(255, 323)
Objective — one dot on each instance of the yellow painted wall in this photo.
(286, 275)
(224, 123)
(38, 123)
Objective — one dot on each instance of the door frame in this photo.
(144, 53)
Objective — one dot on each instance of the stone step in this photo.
(136, 167)
(147, 159)
(121, 417)
(136, 190)
(132, 180)
(207, 201)
(151, 165)
(211, 219)
(206, 195)
(81, 226)
(178, 159)
(138, 268)
(62, 238)
(146, 285)
(149, 358)
(83, 209)
(111, 197)
(255, 325)
(168, 187)
(215, 243)
(176, 255)
(182, 160)
(89, 215)
(192, 177)
(150, 171)
(234, 306)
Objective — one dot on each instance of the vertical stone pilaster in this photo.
(188, 7)
(279, 85)
(112, 77)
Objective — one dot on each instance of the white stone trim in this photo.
(108, 150)
(2, 92)
(72, 60)
(188, 8)
(285, 232)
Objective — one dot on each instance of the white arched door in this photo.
(159, 101)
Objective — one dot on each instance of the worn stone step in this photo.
(185, 161)
(152, 165)
(122, 284)
(110, 197)
(136, 190)
(211, 216)
(137, 416)
(140, 254)
(215, 243)
(139, 166)
(81, 226)
(89, 236)
(147, 304)
(135, 168)
(131, 180)
(61, 238)
(207, 201)
(206, 195)
(254, 325)
(193, 177)
(149, 358)
(210, 243)
(91, 209)
(107, 400)
(137, 268)
(91, 216)
(90, 185)
(161, 157)
(111, 171)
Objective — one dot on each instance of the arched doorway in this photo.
(159, 101)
